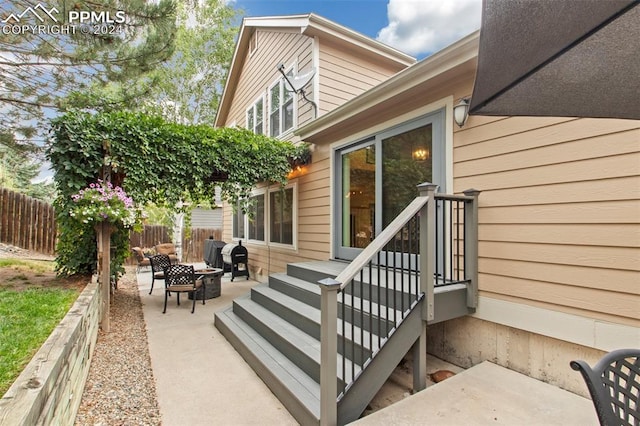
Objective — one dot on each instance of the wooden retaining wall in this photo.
(49, 390)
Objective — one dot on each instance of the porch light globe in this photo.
(461, 112)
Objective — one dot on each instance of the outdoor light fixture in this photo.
(461, 112)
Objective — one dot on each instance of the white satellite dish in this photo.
(297, 82)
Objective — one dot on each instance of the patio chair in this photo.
(614, 386)
(181, 279)
(170, 250)
(159, 263)
(143, 262)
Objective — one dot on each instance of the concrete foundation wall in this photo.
(49, 390)
(468, 341)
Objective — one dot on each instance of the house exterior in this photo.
(559, 211)
(346, 64)
(204, 217)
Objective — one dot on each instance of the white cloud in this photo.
(422, 27)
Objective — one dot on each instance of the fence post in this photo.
(427, 247)
(328, 351)
(103, 232)
(471, 247)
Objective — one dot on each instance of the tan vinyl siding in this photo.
(559, 212)
(344, 75)
(313, 222)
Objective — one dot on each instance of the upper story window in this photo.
(280, 107)
(255, 117)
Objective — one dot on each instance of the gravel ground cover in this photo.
(120, 389)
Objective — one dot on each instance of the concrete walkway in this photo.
(487, 394)
(202, 380)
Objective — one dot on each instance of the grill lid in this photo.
(231, 253)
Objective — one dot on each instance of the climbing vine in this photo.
(154, 161)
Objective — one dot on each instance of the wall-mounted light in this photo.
(461, 112)
(296, 171)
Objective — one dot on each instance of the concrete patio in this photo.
(202, 380)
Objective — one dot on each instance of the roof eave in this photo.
(446, 60)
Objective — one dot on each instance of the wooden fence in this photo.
(150, 236)
(26, 222)
(192, 247)
(31, 224)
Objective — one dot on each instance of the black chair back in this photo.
(614, 386)
(160, 262)
(179, 275)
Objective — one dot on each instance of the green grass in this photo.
(27, 317)
(35, 266)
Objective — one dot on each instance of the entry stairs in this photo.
(420, 269)
(276, 329)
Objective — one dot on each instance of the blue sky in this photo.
(416, 27)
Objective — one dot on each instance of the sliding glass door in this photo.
(357, 198)
(377, 178)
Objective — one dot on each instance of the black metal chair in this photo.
(159, 263)
(614, 386)
(181, 279)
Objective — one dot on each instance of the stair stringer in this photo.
(376, 373)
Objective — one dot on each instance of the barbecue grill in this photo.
(212, 254)
(234, 256)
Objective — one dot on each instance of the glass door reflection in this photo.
(358, 199)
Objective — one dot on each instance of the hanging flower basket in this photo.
(103, 202)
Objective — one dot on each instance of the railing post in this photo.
(427, 247)
(471, 247)
(328, 351)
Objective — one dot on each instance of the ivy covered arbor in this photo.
(153, 161)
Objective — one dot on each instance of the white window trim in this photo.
(254, 193)
(282, 88)
(245, 221)
(252, 107)
(234, 212)
(294, 245)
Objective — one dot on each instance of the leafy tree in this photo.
(187, 88)
(18, 168)
(43, 72)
